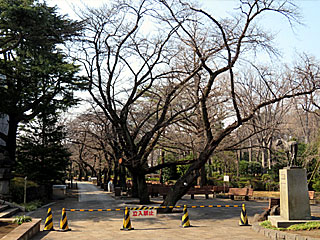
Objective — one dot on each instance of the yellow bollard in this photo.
(48, 225)
(243, 217)
(64, 221)
(126, 220)
(185, 218)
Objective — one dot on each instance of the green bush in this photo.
(153, 179)
(296, 227)
(243, 167)
(266, 177)
(31, 206)
(305, 226)
(272, 186)
(316, 186)
(257, 184)
(254, 168)
(22, 219)
(267, 224)
(17, 188)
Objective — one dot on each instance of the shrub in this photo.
(31, 206)
(272, 186)
(17, 188)
(34, 191)
(257, 184)
(22, 219)
(305, 226)
(316, 186)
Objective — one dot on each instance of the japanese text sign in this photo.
(143, 213)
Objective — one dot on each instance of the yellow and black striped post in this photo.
(48, 225)
(185, 218)
(126, 220)
(243, 217)
(64, 221)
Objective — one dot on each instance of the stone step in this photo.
(8, 212)
(3, 207)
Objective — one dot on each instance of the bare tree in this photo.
(124, 63)
(226, 41)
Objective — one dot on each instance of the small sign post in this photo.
(149, 213)
(225, 179)
(25, 190)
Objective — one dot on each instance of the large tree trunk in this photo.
(115, 174)
(202, 180)
(161, 170)
(134, 190)
(143, 189)
(185, 182)
(123, 180)
(181, 187)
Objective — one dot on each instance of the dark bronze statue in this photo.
(291, 149)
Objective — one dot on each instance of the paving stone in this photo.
(208, 223)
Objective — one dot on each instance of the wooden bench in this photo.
(276, 201)
(206, 190)
(154, 190)
(245, 192)
(220, 189)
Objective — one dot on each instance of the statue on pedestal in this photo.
(291, 149)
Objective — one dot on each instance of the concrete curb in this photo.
(24, 231)
(275, 234)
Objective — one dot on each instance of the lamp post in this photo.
(25, 190)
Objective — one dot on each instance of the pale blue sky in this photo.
(304, 38)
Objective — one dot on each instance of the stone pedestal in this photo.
(294, 198)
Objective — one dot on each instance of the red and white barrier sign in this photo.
(144, 213)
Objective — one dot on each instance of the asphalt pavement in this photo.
(206, 223)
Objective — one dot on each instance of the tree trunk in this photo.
(123, 182)
(135, 191)
(181, 187)
(264, 155)
(185, 182)
(162, 162)
(238, 161)
(202, 179)
(269, 155)
(250, 150)
(143, 189)
(11, 143)
(115, 174)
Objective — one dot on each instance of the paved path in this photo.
(208, 223)
(89, 192)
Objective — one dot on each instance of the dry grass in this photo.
(266, 194)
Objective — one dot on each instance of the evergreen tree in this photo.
(41, 155)
(34, 71)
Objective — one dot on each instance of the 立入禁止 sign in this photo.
(143, 213)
